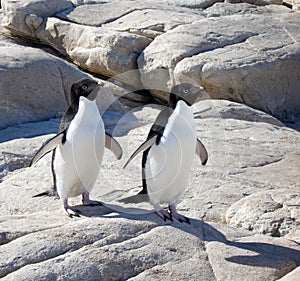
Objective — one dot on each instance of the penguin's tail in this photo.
(137, 198)
(51, 192)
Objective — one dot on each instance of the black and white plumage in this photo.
(78, 147)
(168, 151)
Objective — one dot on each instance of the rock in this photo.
(15, 151)
(232, 172)
(221, 9)
(17, 14)
(250, 184)
(118, 241)
(240, 48)
(252, 256)
(256, 2)
(152, 22)
(232, 110)
(239, 60)
(97, 49)
(292, 276)
(271, 212)
(295, 4)
(149, 19)
(294, 235)
(29, 94)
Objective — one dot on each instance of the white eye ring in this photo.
(185, 91)
(84, 88)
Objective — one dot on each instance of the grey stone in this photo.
(292, 276)
(98, 49)
(128, 241)
(232, 53)
(271, 212)
(250, 184)
(256, 2)
(152, 22)
(220, 52)
(221, 9)
(27, 93)
(252, 258)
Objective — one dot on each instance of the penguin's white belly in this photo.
(77, 162)
(169, 163)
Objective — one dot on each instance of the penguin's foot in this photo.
(69, 211)
(176, 215)
(86, 201)
(72, 212)
(165, 215)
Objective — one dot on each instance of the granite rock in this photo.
(246, 52)
(120, 241)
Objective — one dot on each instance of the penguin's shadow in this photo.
(202, 230)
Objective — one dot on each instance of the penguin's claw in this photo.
(72, 212)
(164, 215)
(183, 219)
(177, 216)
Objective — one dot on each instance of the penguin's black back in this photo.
(158, 129)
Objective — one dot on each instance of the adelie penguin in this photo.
(78, 147)
(169, 150)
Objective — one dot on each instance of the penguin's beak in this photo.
(93, 94)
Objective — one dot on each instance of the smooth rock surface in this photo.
(267, 211)
(246, 52)
(244, 204)
(34, 84)
(236, 57)
(99, 50)
(120, 241)
(292, 276)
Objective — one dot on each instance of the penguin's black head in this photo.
(84, 88)
(187, 92)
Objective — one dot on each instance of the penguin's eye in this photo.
(84, 88)
(185, 91)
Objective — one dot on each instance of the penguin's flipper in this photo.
(201, 152)
(145, 145)
(47, 147)
(113, 145)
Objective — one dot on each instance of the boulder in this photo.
(149, 19)
(234, 56)
(267, 212)
(98, 49)
(228, 48)
(29, 94)
(34, 85)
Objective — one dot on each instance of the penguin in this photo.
(168, 152)
(78, 147)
